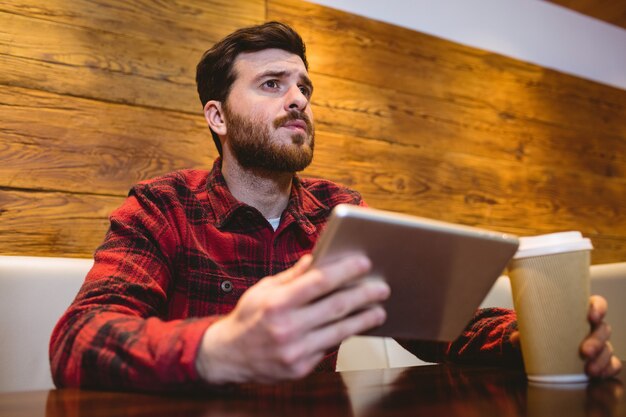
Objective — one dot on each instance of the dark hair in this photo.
(215, 74)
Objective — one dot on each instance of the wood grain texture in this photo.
(465, 125)
(95, 96)
(141, 53)
(37, 223)
(611, 11)
(476, 191)
(69, 144)
(181, 22)
(463, 135)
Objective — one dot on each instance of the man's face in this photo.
(268, 117)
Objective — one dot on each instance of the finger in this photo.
(333, 334)
(342, 303)
(317, 282)
(514, 338)
(595, 342)
(597, 309)
(295, 271)
(597, 365)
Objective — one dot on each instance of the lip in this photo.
(296, 124)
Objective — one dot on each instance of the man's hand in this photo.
(283, 325)
(596, 348)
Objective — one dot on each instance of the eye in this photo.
(271, 84)
(306, 91)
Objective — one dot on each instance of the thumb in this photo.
(295, 271)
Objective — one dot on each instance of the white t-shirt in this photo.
(274, 222)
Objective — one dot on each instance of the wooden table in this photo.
(428, 390)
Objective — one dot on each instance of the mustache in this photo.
(294, 115)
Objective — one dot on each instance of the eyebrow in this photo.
(281, 74)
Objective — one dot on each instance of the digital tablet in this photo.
(439, 272)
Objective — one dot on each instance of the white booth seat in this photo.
(35, 291)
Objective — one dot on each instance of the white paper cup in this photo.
(550, 282)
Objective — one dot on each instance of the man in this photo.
(205, 278)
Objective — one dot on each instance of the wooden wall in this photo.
(610, 11)
(95, 96)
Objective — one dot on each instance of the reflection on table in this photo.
(439, 390)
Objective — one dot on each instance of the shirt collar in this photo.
(302, 207)
(222, 203)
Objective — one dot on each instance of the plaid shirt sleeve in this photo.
(114, 335)
(485, 341)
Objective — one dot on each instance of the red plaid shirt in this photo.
(179, 253)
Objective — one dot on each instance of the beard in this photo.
(254, 147)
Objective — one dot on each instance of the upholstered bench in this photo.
(34, 292)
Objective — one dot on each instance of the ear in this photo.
(214, 116)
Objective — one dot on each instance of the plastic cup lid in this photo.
(551, 244)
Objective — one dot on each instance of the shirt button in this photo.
(226, 286)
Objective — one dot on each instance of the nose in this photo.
(295, 100)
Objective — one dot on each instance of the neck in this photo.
(267, 191)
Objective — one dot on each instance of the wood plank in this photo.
(72, 126)
(54, 142)
(186, 23)
(467, 126)
(457, 188)
(53, 224)
(53, 57)
(141, 53)
(379, 54)
(411, 117)
(610, 11)
(93, 151)
(465, 189)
